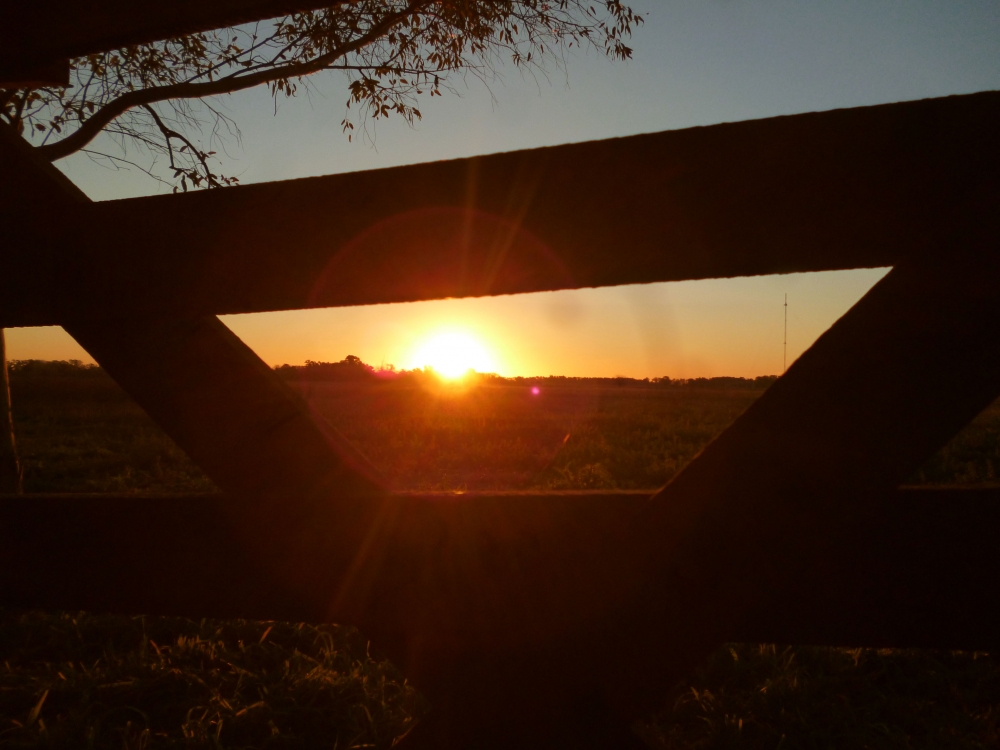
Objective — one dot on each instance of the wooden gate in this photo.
(539, 619)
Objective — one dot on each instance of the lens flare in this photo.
(452, 354)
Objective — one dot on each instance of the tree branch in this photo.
(115, 108)
(169, 133)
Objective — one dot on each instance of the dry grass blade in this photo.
(33, 714)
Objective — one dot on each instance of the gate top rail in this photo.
(852, 188)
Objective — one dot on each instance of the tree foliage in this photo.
(160, 99)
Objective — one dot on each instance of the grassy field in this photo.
(506, 437)
(78, 680)
(78, 432)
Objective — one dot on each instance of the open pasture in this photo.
(78, 432)
(524, 436)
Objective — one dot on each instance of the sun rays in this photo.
(452, 354)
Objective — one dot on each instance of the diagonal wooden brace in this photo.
(253, 436)
(296, 493)
(760, 521)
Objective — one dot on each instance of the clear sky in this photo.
(696, 62)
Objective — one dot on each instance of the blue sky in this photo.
(696, 62)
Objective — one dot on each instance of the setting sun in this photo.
(452, 354)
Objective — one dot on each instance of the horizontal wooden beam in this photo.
(173, 555)
(35, 35)
(863, 187)
(919, 574)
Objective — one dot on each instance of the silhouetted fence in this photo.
(537, 619)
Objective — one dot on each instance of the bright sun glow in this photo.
(453, 354)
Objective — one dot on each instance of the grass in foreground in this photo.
(78, 432)
(87, 681)
(750, 696)
(75, 681)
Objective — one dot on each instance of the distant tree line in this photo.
(44, 368)
(352, 369)
(724, 383)
(349, 369)
(758, 383)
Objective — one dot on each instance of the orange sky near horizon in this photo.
(689, 329)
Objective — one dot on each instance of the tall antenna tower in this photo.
(784, 356)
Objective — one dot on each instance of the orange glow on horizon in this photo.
(452, 354)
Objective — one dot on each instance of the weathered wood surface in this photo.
(914, 576)
(39, 33)
(854, 188)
